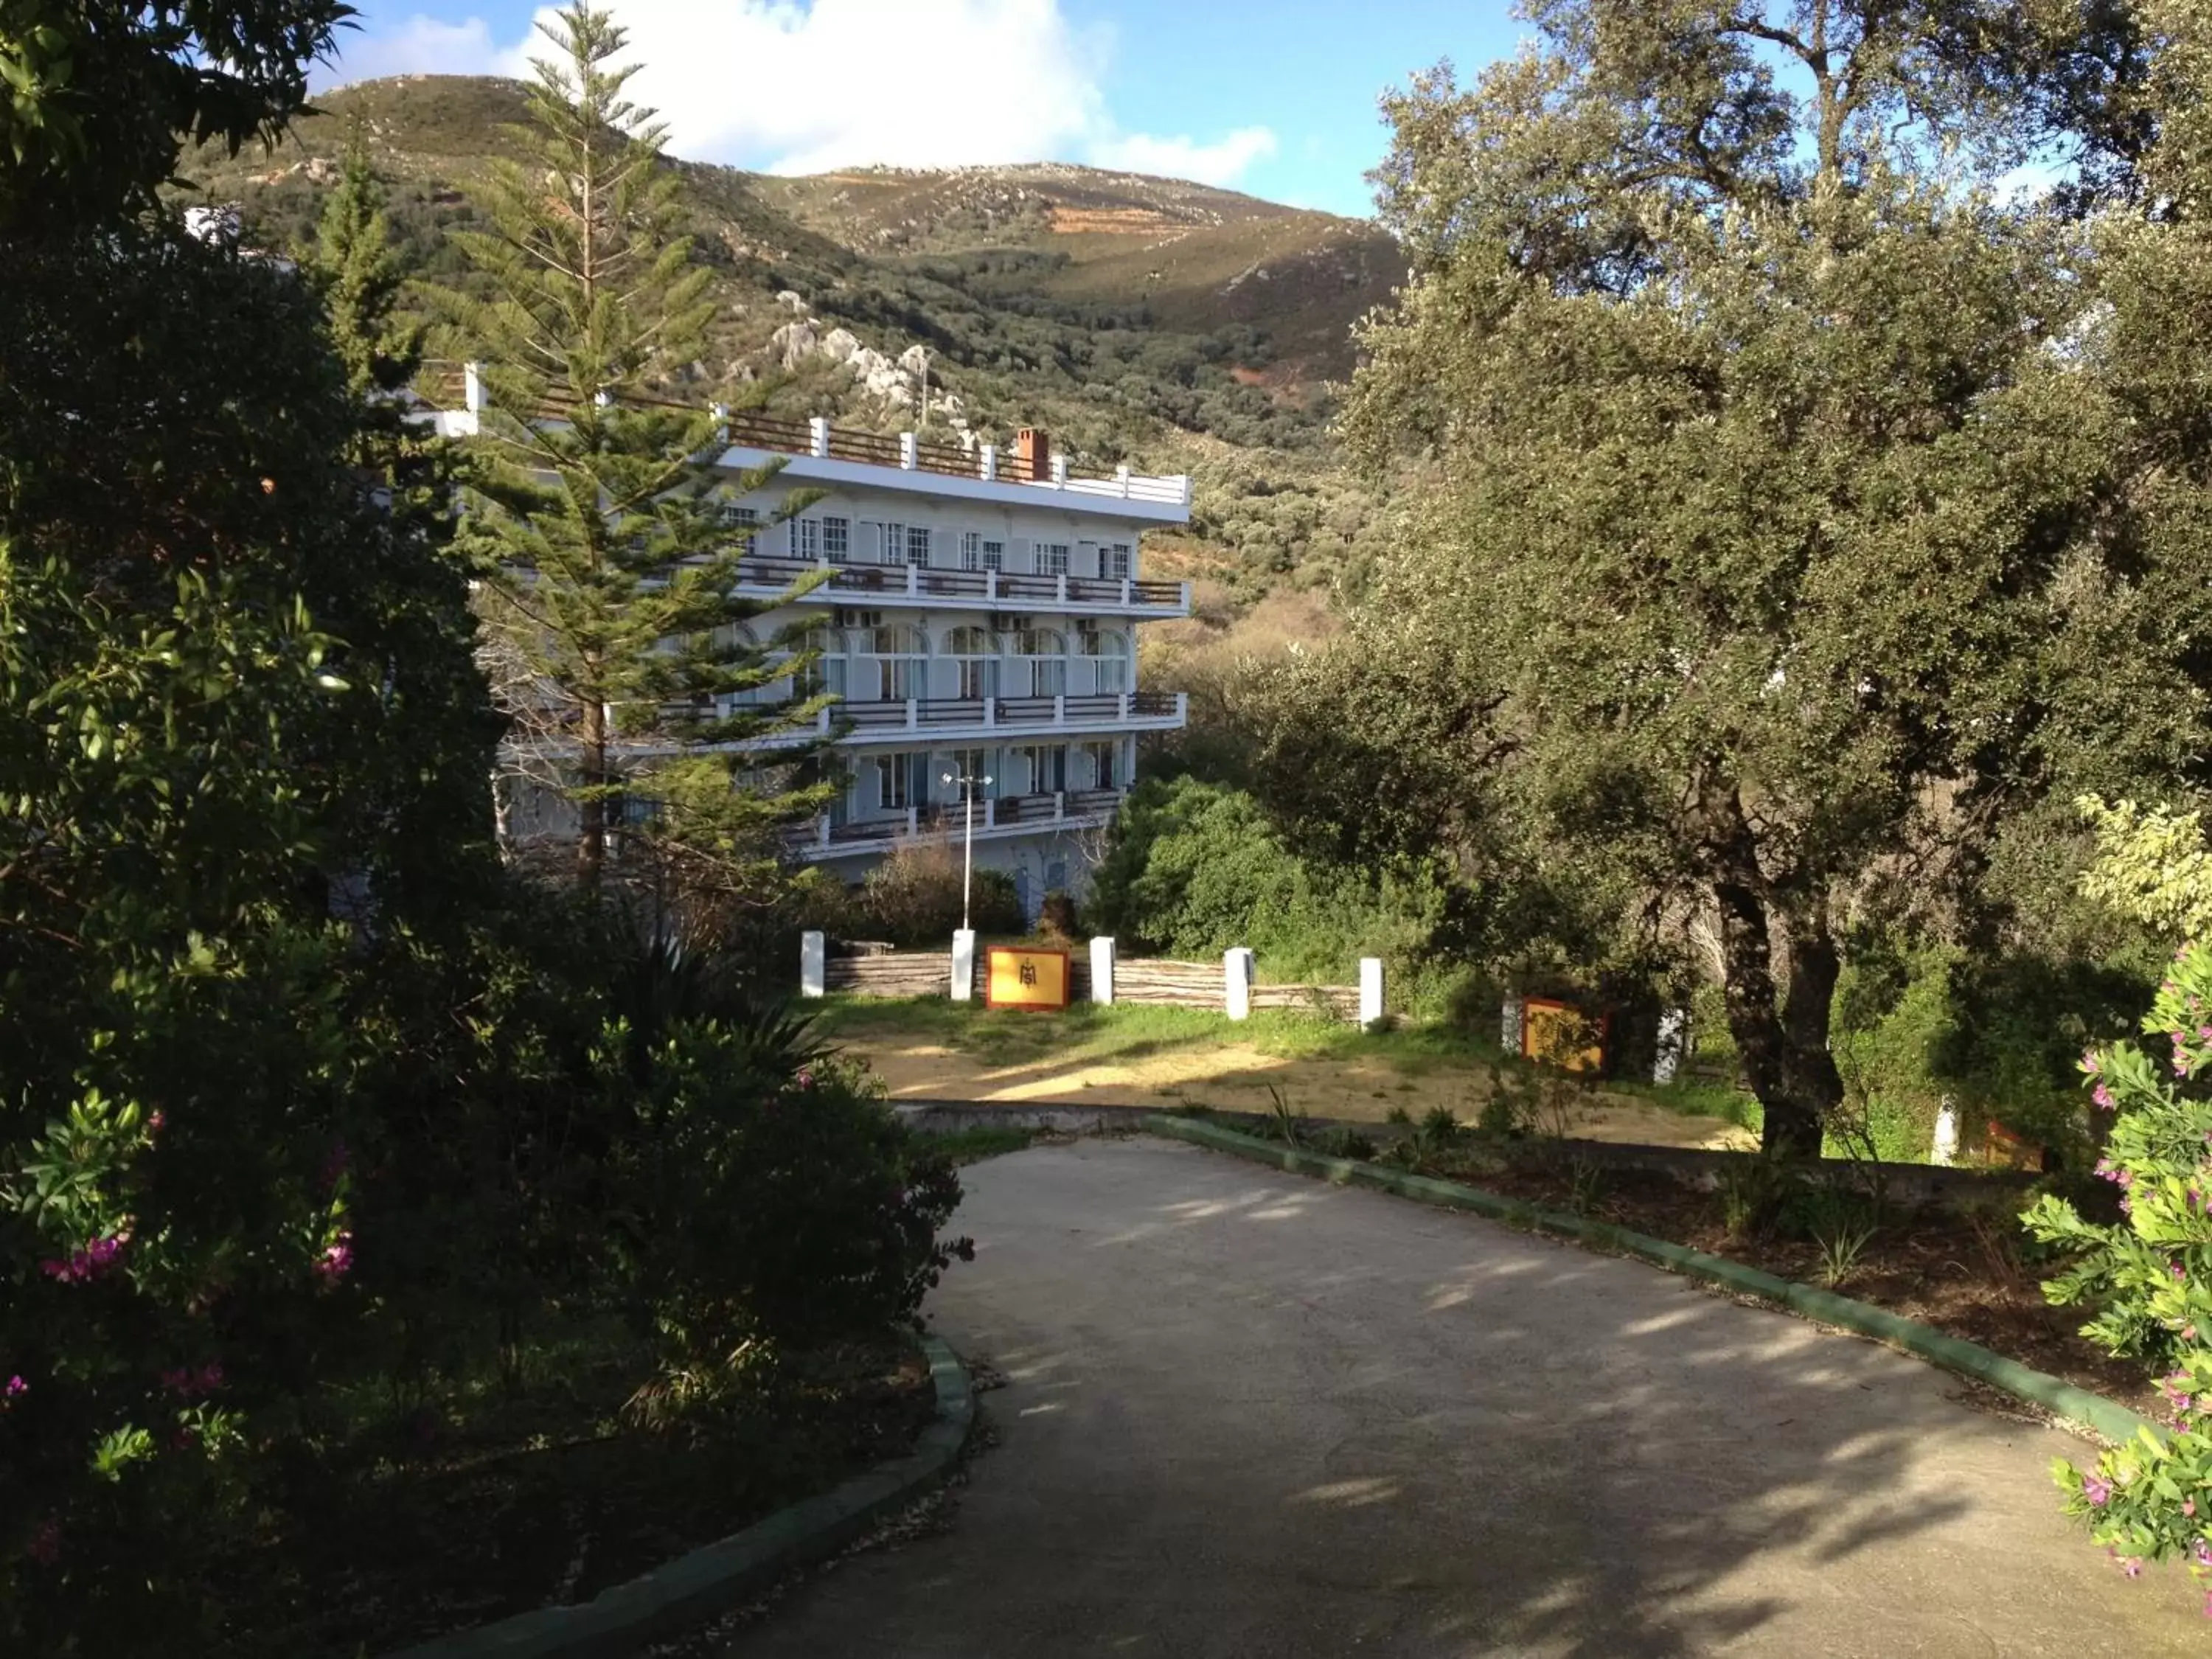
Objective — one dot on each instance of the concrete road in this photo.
(1254, 1415)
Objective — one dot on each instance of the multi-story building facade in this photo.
(976, 618)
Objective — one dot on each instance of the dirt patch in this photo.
(1929, 1266)
(1238, 1077)
(1119, 222)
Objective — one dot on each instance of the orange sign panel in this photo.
(1026, 979)
(1560, 1034)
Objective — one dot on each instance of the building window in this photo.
(917, 545)
(807, 538)
(994, 555)
(895, 663)
(1114, 563)
(1044, 652)
(976, 554)
(974, 653)
(733, 516)
(894, 782)
(1104, 762)
(1052, 558)
(1109, 661)
(836, 538)
(1047, 769)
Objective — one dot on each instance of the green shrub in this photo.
(774, 1202)
(913, 898)
(1194, 869)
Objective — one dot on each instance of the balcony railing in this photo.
(459, 387)
(1078, 808)
(886, 720)
(773, 574)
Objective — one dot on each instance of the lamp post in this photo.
(967, 853)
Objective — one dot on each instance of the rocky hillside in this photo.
(1172, 324)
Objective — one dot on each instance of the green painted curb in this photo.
(2106, 1419)
(701, 1586)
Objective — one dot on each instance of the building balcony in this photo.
(1014, 815)
(959, 720)
(814, 452)
(768, 577)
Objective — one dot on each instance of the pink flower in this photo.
(2132, 1566)
(156, 1120)
(2096, 1489)
(2188, 1507)
(337, 1260)
(2103, 1097)
(2089, 1061)
(16, 1388)
(806, 1078)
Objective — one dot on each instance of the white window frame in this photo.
(894, 781)
(735, 515)
(916, 547)
(837, 536)
(807, 538)
(1052, 558)
(1115, 561)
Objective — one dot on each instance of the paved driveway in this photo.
(1254, 1415)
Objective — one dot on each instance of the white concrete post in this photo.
(963, 964)
(1121, 478)
(1946, 1150)
(1102, 971)
(472, 387)
(1058, 471)
(1509, 1025)
(813, 953)
(721, 414)
(1673, 1044)
(990, 463)
(1371, 992)
(818, 435)
(909, 451)
(1236, 982)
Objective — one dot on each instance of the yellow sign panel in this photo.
(1026, 979)
(1558, 1034)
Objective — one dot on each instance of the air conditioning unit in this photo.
(1005, 622)
(843, 617)
(1086, 624)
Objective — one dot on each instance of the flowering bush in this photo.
(2149, 1277)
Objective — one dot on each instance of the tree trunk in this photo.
(592, 838)
(1783, 1044)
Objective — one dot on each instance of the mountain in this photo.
(1172, 324)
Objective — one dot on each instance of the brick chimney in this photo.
(1032, 453)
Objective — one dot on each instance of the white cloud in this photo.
(1182, 157)
(420, 45)
(806, 86)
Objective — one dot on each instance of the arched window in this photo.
(826, 672)
(1109, 660)
(974, 655)
(1040, 660)
(893, 664)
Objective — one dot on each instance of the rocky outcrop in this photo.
(897, 380)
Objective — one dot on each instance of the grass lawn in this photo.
(933, 1049)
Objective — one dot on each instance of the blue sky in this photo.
(1275, 98)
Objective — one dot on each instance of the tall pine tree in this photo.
(608, 576)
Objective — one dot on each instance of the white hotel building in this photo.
(978, 617)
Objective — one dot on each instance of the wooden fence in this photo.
(1136, 979)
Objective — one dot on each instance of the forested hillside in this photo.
(1173, 325)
